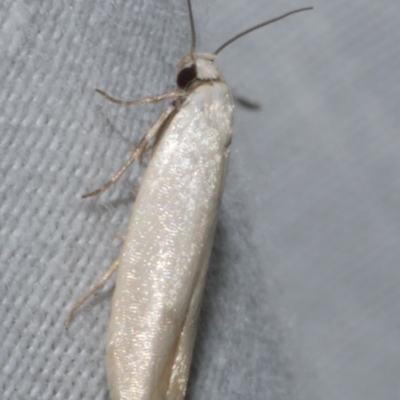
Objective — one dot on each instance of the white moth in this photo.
(162, 267)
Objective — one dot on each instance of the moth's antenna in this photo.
(239, 35)
(193, 48)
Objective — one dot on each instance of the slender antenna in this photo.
(193, 48)
(239, 35)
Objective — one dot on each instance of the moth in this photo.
(167, 246)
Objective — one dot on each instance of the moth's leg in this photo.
(138, 152)
(152, 99)
(93, 290)
(246, 103)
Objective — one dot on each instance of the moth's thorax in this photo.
(196, 68)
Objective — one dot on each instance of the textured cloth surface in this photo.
(303, 295)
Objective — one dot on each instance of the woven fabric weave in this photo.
(302, 299)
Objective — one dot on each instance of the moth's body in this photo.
(162, 267)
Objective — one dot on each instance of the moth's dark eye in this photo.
(186, 76)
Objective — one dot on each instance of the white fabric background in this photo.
(302, 300)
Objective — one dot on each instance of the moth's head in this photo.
(196, 68)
